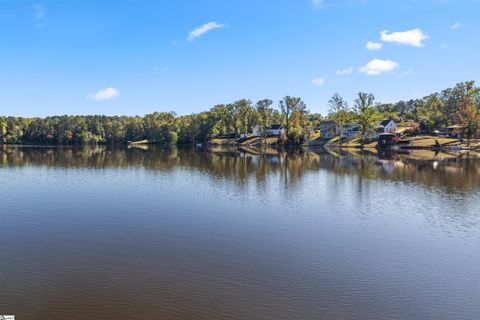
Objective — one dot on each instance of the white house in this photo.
(352, 130)
(274, 130)
(256, 131)
(386, 126)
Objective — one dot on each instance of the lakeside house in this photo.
(274, 130)
(456, 131)
(386, 126)
(256, 131)
(387, 141)
(352, 130)
(328, 130)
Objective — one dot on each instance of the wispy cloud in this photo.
(406, 73)
(457, 25)
(200, 31)
(40, 14)
(344, 72)
(414, 37)
(319, 4)
(374, 46)
(104, 94)
(318, 82)
(377, 67)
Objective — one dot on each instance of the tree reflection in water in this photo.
(458, 172)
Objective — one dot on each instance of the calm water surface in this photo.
(99, 233)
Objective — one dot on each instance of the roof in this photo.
(276, 127)
(384, 122)
(327, 125)
(328, 122)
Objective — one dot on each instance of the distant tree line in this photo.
(223, 120)
(440, 109)
(459, 105)
(454, 106)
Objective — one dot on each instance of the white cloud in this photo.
(444, 46)
(318, 3)
(318, 82)
(344, 72)
(374, 46)
(105, 94)
(413, 37)
(457, 25)
(200, 31)
(377, 67)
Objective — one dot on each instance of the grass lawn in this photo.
(417, 141)
(430, 155)
(429, 141)
(218, 141)
(259, 141)
(314, 135)
(356, 143)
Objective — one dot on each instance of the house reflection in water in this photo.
(459, 171)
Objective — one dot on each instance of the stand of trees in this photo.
(455, 106)
(233, 119)
(458, 105)
(437, 110)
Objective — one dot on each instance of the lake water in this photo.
(149, 233)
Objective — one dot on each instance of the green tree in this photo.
(265, 114)
(430, 112)
(3, 129)
(452, 98)
(367, 116)
(243, 108)
(339, 112)
(300, 124)
(315, 119)
(288, 105)
(218, 116)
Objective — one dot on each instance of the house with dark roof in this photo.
(328, 129)
(386, 126)
(350, 130)
(455, 131)
(274, 130)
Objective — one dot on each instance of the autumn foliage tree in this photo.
(469, 114)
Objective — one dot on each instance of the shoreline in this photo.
(324, 144)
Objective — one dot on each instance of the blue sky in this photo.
(135, 57)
